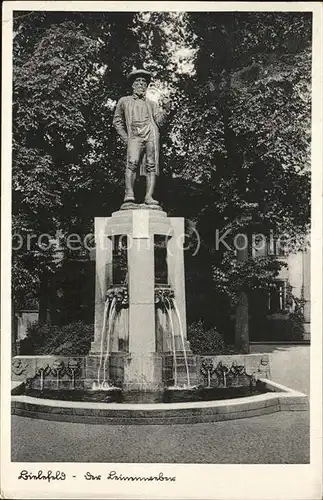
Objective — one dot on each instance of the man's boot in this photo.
(151, 181)
(130, 178)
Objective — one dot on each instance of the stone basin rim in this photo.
(279, 392)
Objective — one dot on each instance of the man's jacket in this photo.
(122, 121)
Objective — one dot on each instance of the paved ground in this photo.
(278, 438)
(289, 364)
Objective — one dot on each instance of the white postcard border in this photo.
(192, 480)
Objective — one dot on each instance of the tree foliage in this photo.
(238, 137)
(234, 277)
(247, 114)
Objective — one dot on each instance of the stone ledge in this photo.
(297, 407)
(123, 414)
(161, 413)
(131, 205)
(155, 420)
(17, 387)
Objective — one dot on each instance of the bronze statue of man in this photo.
(136, 119)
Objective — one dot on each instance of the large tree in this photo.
(247, 118)
(236, 148)
(69, 71)
(66, 166)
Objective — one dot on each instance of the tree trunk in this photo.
(43, 298)
(241, 339)
(242, 325)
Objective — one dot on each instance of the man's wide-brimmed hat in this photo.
(137, 73)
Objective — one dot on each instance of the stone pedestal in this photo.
(141, 332)
(143, 372)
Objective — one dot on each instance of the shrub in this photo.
(205, 341)
(286, 329)
(296, 321)
(73, 339)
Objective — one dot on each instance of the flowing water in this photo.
(73, 379)
(137, 397)
(110, 325)
(41, 379)
(183, 340)
(109, 312)
(105, 313)
(108, 320)
(169, 311)
(208, 378)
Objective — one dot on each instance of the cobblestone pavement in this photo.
(276, 439)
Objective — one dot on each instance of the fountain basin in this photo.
(169, 395)
(279, 398)
(212, 393)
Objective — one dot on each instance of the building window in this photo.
(268, 244)
(277, 298)
(260, 246)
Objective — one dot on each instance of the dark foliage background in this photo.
(238, 142)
